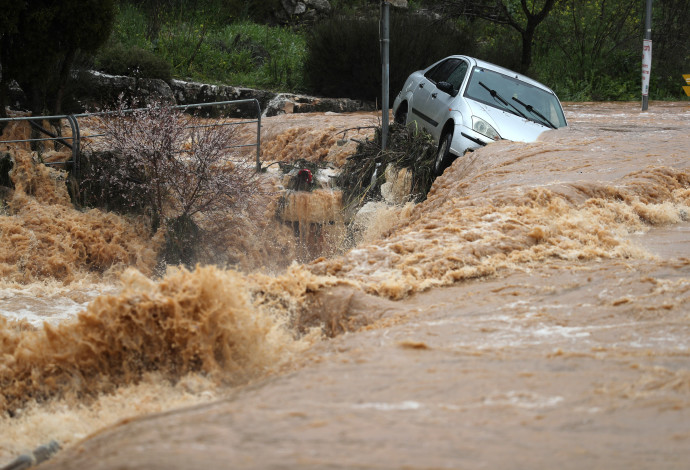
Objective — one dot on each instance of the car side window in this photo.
(443, 71)
(458, 75)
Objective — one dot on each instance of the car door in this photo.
(431, 104)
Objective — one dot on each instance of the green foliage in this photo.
(343, 55)
(39, 48)
(133, 61)
(589, 49)
(497, 44)
(256, 10)
(584, 49)
(243, 53)
(9, 16)
(198, 46)
(130, 27)
(671, 51)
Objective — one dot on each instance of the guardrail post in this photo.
(76, 137)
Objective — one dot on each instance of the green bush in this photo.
(130, 27)
(257, 10)
(344, 60)
(133, 61)
(197, 43)
(242, 54)
(498, 44)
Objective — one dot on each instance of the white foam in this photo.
(402, 406)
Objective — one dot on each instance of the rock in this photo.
(41, 454)
(321, 6)
(193, 92)
(286, 103)
(153, 89)
(305, 11)
(96, 89)
(398, 185)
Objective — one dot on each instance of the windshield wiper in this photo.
(531, 109)
(495, 95)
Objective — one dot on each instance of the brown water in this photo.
(532, 313)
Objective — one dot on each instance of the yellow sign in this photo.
(687, 88)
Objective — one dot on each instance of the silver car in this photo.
(466, 103)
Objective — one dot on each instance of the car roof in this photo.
(497, 68)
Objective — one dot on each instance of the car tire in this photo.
(401, 117)
(443, 157)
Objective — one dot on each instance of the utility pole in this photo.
(647, 55)
(385, 69)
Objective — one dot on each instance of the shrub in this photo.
(132, 61)
(130, 27)
(343, 54)
(174, 167)
(258, 10)
(39, 43)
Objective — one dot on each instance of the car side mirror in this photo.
(446, 88)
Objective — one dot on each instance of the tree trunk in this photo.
(63, 79)
(527, 40)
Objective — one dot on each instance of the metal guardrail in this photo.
(76, 137)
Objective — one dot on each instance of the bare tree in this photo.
(186, 172)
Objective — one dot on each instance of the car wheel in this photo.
(401, 117)
(443, 158)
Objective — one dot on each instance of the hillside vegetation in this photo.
(584, 49)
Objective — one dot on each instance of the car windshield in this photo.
(492, 88)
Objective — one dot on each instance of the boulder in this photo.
(321, 6)
(302, 11)
(287, 103)
(193, 92)
(95, 89)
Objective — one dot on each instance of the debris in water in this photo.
(39, 455)
(412, 344)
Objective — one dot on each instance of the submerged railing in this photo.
(73, 142)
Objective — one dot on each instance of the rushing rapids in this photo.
(532, 312)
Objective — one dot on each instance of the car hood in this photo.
(508, 125)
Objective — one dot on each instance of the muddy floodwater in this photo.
(532, 313)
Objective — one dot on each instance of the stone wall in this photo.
(96, 90)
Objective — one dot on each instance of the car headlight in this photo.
(484, 128)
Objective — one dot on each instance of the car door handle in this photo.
(434, 95)
(421, 85)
